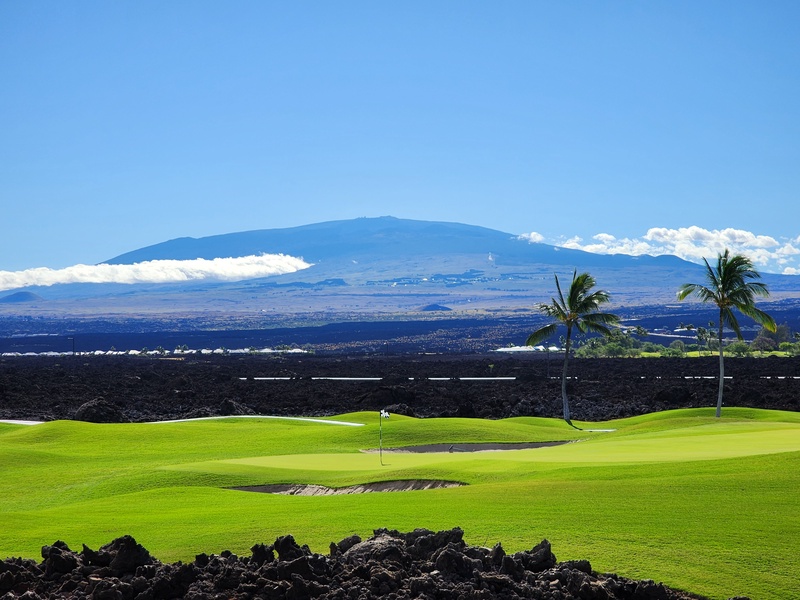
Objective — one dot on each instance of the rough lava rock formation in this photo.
(122, 389)
(419, 564)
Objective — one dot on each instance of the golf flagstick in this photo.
(384, 415)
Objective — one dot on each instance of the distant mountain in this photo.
(20, 298)
(372, 267)
(372, 239)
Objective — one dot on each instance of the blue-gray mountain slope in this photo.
(384, 237)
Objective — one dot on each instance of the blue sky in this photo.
(613, 126)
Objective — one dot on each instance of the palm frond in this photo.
(541, 334)
(713, 276)
(598, 322)
(599, 318)
(746, 292)
(687, 289)
(591, 302)
(576, 289)
(553, 310)
(729, 320)
(702, 292)
(751, 274)
(759, 289)
(760, 317)
(560, 293)
(596, 328)
(581, 284)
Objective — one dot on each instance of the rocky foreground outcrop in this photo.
(419, 564)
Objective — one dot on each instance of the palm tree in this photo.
(730, 285)
(580, 309)
(702, 339)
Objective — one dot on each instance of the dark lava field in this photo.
(494, 386)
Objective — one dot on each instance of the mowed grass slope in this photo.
(703, 504)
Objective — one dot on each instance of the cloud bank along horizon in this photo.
(158, 271)
(693, 244)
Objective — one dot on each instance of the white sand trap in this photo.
(600, 430)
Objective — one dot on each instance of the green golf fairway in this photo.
(703, 504)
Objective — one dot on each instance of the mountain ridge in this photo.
(381, 267)
(369, 237)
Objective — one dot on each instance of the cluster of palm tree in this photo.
(731, 284)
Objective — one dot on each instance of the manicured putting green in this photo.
(709, 442)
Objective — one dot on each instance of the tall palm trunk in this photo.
(721, 369)
(564, 398)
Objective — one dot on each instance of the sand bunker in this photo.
(477, 447)
(290, 489)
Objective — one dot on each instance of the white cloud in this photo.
(605, 238)
(573, 242)
(532, 237)
(158, 271)
(696, 243)
(714, 238)
(787, 250)
(608, 244)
